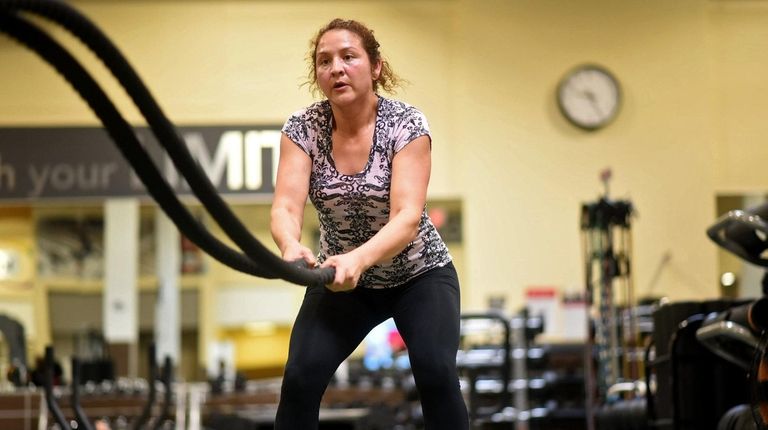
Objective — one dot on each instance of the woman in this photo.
(364, 161)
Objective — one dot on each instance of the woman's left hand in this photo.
(348, 270)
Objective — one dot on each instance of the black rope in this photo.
(166, 134)
(166, 377)
(50, 398)
(126, 140)
(146, 411)
(82, 419)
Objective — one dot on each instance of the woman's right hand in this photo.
(297, 251)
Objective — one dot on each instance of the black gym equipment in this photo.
(512, 381)
(709, 363)
(612, 349)
(743, 232)
(694, 387)
(734, 333)
(705, 365)
(477, 362)
(743, 331)
(737, 418)
(144, 421)
(710, 367)
(257, 259)
(95, 363)
(13, 332)
(165, 378)
(758, 381)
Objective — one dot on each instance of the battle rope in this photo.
(82, 420)
(262, 262)
(50, 397)
(123, 135)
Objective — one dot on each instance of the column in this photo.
(168, 262)
(120, 305)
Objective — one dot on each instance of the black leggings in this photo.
(331, 325)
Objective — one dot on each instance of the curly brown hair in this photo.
(387, 80)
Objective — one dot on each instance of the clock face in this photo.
(589, 97)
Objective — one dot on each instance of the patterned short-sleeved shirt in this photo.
(353, 208)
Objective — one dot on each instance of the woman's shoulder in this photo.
(308, 121)
(397, 107)
(317, 110)
(403, 120)
(306, 124)
(397, 110)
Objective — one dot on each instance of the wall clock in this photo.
(589, 96)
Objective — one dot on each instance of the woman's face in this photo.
(343, 70)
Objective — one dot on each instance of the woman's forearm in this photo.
(399, 231)
(285, 227)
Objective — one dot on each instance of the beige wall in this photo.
(740, 43)
(536, 170)
(485, 71)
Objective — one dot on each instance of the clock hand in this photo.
(593, 102)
